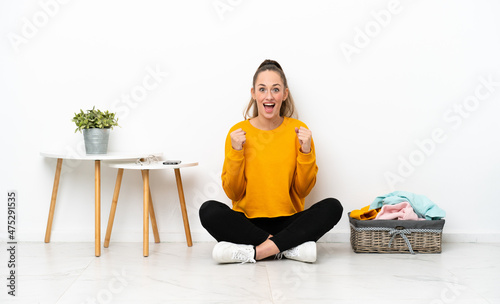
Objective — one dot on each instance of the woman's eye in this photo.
(262, 90)
(276, 90)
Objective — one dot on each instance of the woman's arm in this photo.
(306, 170)
(233, 171)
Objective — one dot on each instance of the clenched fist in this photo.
(238, 138)
(304, 136)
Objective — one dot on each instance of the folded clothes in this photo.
(364, 213)
(401, 211)
(422, 206)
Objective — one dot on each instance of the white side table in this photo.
(148, 210)
(97, 164)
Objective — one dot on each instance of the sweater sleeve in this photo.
(305, 174)
(233, 172)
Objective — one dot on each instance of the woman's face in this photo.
(269, 92)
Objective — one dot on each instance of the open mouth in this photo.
(269, 106)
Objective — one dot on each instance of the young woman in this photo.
(269, 168)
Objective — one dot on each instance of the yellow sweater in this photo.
(270, 176)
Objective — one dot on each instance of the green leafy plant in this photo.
(95, 119)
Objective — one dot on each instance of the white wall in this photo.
(375, 81)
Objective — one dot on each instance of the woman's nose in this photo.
(269, 95)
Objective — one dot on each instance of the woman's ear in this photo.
(285, 96)
(252, 91)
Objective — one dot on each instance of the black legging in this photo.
(225, 224)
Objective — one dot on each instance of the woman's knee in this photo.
(332, 208)
(208, 210)
(211, 211)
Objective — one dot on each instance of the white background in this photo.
(371, 109)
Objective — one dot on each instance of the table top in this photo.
(107, 156)
(152, 166)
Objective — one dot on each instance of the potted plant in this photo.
(96, 126)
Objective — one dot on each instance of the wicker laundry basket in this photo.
(396, 236)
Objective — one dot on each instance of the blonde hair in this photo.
(287, 107)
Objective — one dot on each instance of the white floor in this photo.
(174, 273)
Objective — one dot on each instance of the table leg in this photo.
(180, 190)
(97, 208)
(153, 218)
(53, 200)
(145, 227)
(111, 219)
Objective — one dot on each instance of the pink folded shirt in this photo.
(401, 211)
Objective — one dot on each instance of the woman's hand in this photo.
(304, 136)
(238, 138)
